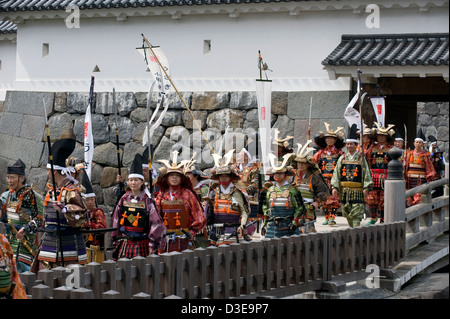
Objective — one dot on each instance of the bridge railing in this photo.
(271, 267)
(425, 220)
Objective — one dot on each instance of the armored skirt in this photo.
(67, 236)
(139, 228)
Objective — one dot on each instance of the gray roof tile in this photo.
(25, 5)
(395, 49)
(7, 27)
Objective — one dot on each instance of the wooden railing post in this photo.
(394, 189)
(446, 175)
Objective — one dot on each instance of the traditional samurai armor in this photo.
(419, 169)
(202, 189)
(350, 178)
(21, 210)
(179, 207)
(284, 210)
(310, 183)
(139, 226)
(247, 168)
(95, 219)
(71, 217)
(231, 207)
(11, 286)
(378, 159)
(326, 158)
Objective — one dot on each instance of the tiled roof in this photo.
(25, 5)
(7, 27)
(390, 50)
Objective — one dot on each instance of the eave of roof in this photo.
(7, 27)
(390, 55)
(391, 49)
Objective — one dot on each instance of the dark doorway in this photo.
(403, 95)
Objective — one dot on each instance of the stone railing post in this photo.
(394, 189)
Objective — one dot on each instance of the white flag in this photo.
(351, 114)
(162, 82)
(378, 104)
(264, 99)
(88, 141)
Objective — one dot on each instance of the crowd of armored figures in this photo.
(180, 207)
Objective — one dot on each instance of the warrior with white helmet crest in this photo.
(284, 210)
(309, 182)
(231, 208)
(178, 206)
(330, 142)
(378, 159)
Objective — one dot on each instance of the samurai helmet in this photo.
(320, 138)
(280, 166)
(281, 141)
(173, 167)
(222, 166)
(191, 167)
(388, 131)
(303, 151)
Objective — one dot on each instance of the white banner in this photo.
(162, 82)
(88, 142)
(378, 104)
(264, 98)
(351, 114)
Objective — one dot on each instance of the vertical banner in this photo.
(378, 104)
(162, 83)
(264, 99)
(351, 114)
(88, 142)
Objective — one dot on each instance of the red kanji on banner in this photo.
(86, 129)
(263, 113)
(379, 108)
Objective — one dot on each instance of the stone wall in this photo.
(22, 127)
(433, 118)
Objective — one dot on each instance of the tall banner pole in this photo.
(50, 157)
(360, 108)
(88, 136)
(178, 93)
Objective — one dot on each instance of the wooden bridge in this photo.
(411, 241)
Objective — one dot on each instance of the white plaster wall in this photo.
(292, 46)
(8, 67)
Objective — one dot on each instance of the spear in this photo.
(50, 157)
(121, 185)
(309, 122)
(149, 143)
(360, 106)
(178, 93)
